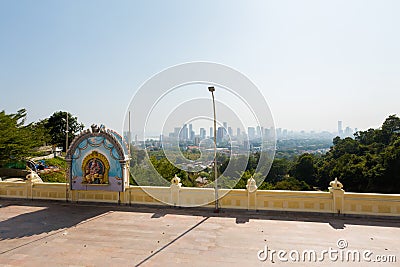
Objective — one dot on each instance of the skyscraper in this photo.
(211, 132)
(185, 132)
(225, 129)
(278, 133)
(196, 141)
(183, 135)
(348, 132)
(251, 131)
(191, 132)
(258, 131)
(220, 134)
(238, 132)
(284, 133)
(202, 133)
(340, 128)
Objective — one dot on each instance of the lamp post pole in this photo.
(216, 210)
(66, 149)
(66, 135)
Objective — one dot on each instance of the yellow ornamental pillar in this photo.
(175, 188)
(31, 179)
(337, 195)
(251, 188)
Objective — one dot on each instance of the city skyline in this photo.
(188, 133)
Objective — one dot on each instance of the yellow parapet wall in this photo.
(335, 201)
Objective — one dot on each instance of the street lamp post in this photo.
(216, 210)
(66, 134)
(66, 148)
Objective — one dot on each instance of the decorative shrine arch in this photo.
(98, 160)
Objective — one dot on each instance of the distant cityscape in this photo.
(227, 137)
(347, 132)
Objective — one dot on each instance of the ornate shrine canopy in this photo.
(98, 160)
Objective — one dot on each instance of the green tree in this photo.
(17, 141)
(388, 178)
(390, 128)
(57, 124)
(41, 132)
(304, 169)
(279, 169)
(167, 170)
(368, 163)
(291, 183)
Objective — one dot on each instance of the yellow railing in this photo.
(334, 201)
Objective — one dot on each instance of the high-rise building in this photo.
(348, 132)
(184, 133)
(230, 131)
(211, 132)
(251, 131)
(340, 127)
(278, 133)
(284, 133)
(196, 141)
(220, 134)
(191, 132)
(258, 131)
(238, 132)
(202, 133)
(225, 131)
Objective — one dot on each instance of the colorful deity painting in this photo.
(95, 168)
(98, 160)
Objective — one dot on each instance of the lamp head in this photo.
(211, 89)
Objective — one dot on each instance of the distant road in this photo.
(43, 157)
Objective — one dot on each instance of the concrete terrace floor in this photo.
(38, 233)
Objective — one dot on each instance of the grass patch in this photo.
(56, 161)
(53, 177)
(57, 176)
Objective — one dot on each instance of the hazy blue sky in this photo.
(316, 62)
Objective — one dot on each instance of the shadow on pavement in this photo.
(244, 216)
(57, 216)
(51, 218)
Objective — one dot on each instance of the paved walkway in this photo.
(34, 233)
